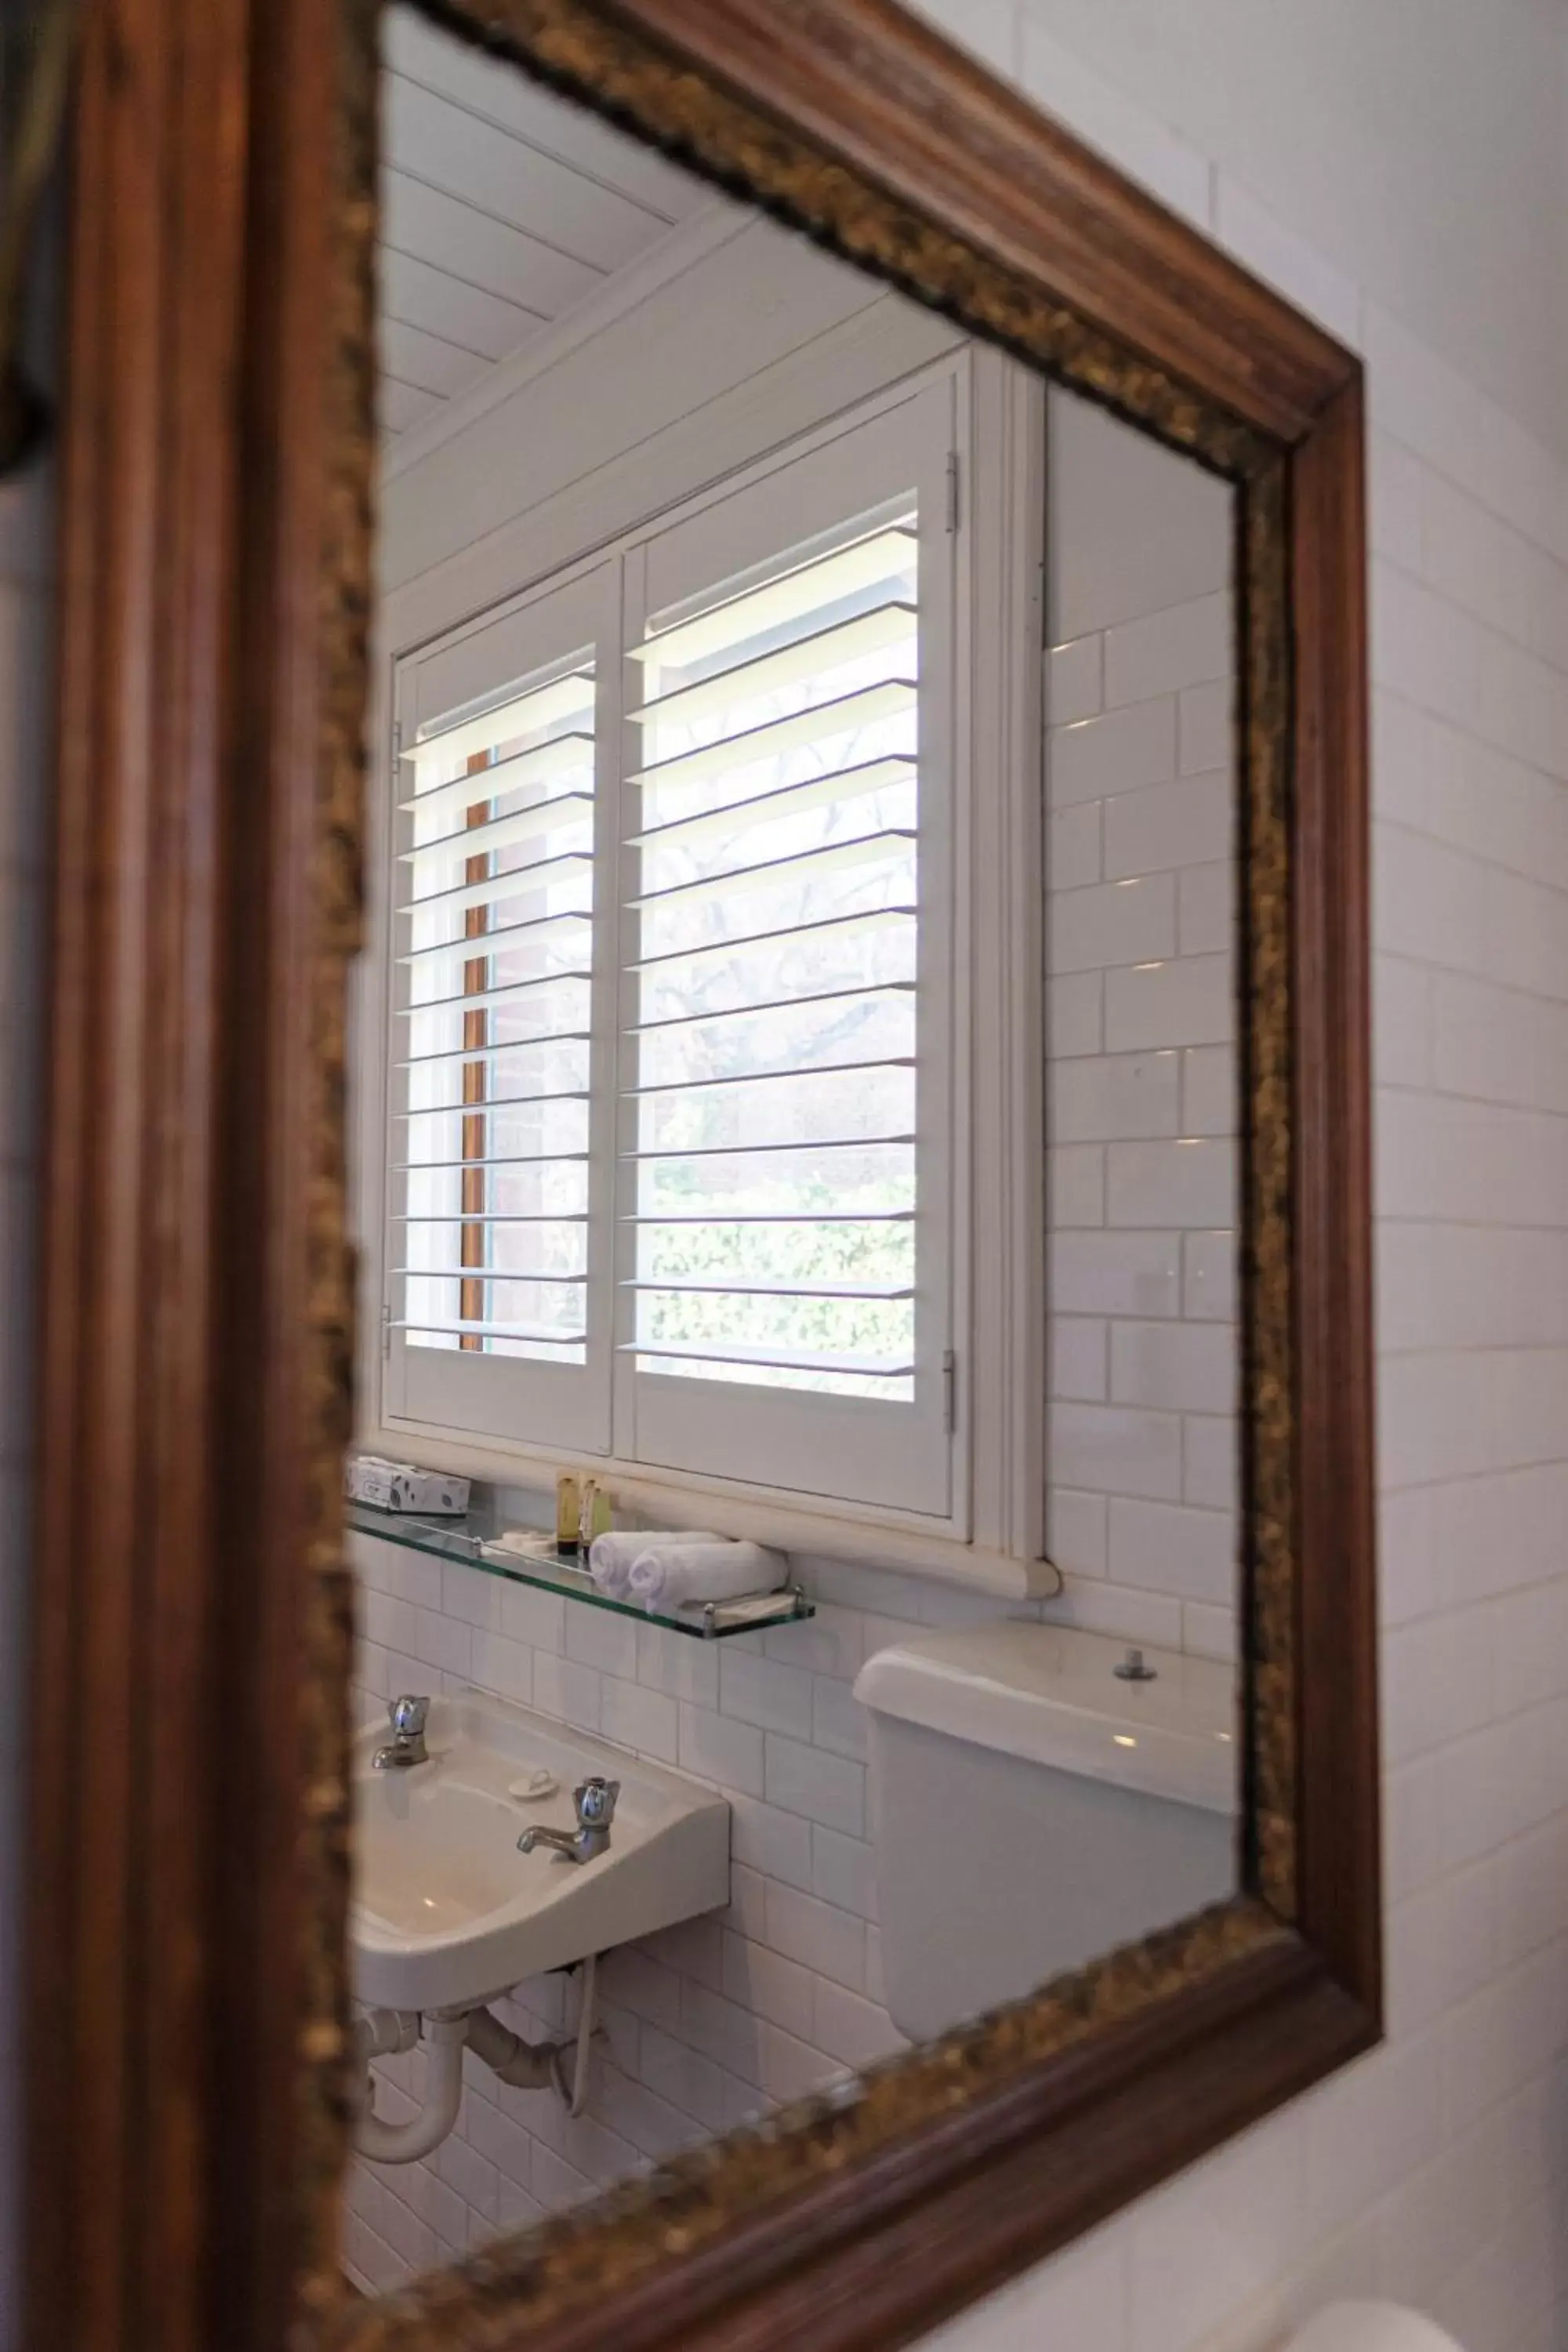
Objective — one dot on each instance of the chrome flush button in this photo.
(1133, 1670)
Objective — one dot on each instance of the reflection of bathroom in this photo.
(915, 1790)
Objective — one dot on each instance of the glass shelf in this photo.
(471, 1538)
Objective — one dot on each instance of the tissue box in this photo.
(401, 1487)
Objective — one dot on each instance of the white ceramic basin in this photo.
(446, 1912)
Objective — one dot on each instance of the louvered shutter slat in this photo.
(821, 723)
(791, 595)
(546, 762)
(550, 710)
(536, 823)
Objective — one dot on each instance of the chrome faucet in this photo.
(595, 1799)
(407, 1717)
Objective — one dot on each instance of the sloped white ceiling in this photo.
(503, 206)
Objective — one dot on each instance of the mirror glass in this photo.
(795, 1172)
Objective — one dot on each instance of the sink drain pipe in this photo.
(541, 2065)
(444, 2039)
(385, 2033)
(526, 2066)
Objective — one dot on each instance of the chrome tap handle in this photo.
(595, 1799)
(407, 1718)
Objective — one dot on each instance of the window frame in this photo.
(992, 1534)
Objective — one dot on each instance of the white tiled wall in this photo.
(1141, 1448)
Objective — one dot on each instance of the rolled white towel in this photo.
(679, 1569)
(611, 1557)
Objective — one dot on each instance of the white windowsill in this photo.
(795, 1527)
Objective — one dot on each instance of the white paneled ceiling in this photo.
(503, 207)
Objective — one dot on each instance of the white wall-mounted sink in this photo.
(447, 1913)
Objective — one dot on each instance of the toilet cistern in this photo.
(1081, 1794)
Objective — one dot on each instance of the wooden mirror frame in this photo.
(187, 2119)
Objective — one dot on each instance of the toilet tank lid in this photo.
(1051, 1695)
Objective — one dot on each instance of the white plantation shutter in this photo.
(672, 1128)
(498, 910)
(784, 1193)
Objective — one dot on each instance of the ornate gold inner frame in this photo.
(188, 2117)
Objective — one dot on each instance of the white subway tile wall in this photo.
(1141, 889)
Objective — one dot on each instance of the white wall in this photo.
(1396, 167)
(1415, 146)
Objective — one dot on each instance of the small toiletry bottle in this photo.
(568, 1513)
(602, 1516)
(587, 1505)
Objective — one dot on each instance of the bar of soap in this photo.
(534, 1787)
(528, 1543)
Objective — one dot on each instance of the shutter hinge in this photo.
(949, 1391)
(397, 738)
(952, 490)
(385, 1329)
